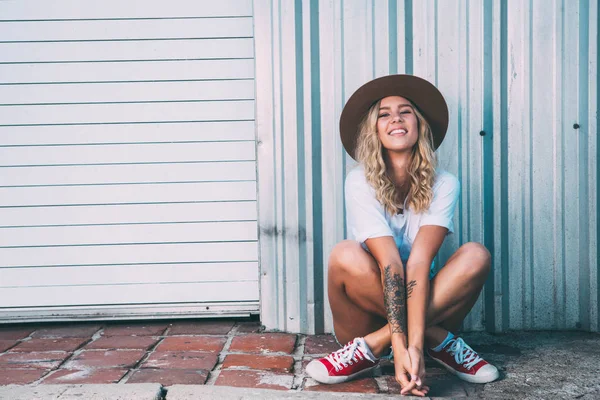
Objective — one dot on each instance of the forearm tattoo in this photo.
(409, 288)
(394, 297)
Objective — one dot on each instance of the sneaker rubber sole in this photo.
(483, 378)
(331, 380)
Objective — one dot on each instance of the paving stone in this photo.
(181, 360)
(33, 360)
(15, 332)
(387, 368)
(260, 362)
(264, 343)
(71, 376)
(140, 391)
(201, 327)
(255, 379)
(7, 344)
(20, 376)
(364, 385)
(192, 343)
(66, 344)
(122, 342)
(307, 360)
(144, 329)
(320, 344)
(67, 331)
(248, 327)
(168, 377)
(439, 386)
(105, 359)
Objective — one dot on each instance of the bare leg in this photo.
(356, 295)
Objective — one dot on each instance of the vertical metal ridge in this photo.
(300, 156)
(317, 197)
(467, 155)
(582, 133)
(373, 43)
(530, 265)
(459, 133)
(597, 163)
(559, 201)
(504, 239)
(393, 35)
(279, 91)
(435, 39)
(488, 161)
(408, 36)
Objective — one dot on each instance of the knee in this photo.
(479, 259)
(349, 258)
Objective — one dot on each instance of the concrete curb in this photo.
(141, 391)
(187, 392)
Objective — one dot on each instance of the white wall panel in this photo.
(127, 193)
(127, 153)
(128, 234)
(128, 254)
(127, 133)
(166, 70)
(128, 172)
(11, 10)
(166, 49)
(127, 112)
(180, 292)
(174, 28)
(127, 92)
(128, 213)
(131, 274)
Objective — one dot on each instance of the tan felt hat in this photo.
(423, 94)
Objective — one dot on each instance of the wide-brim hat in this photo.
(424, 95)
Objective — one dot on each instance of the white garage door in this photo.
(127, 159)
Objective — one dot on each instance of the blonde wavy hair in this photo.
(421, 170)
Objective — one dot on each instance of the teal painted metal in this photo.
(521, 80)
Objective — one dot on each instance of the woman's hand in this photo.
(407, 370)
(417, 361)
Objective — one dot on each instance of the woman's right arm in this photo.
(386, 254)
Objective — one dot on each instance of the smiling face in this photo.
(397, 124)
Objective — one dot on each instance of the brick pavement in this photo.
(210, 352)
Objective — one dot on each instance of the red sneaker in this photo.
(460, 359)
(349, 362)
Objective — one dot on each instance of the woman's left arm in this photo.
(428, 241)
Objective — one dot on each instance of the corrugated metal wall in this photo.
(520, 78)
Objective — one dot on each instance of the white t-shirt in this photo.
(366, 217)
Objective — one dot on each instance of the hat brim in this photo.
(424, 95)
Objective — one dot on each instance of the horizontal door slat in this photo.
(133, 173)
(129, 254)
(128, 274)
(129, 294)
(192, 28)
(127, 153)
(127, 92)
(128, 213)
(129, 234)
(128, 112)
(119, 194)
(179, 70)
(76, 9)
(127, 133)
(26, 52)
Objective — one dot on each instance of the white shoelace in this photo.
(349, 354)
(463, 354)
